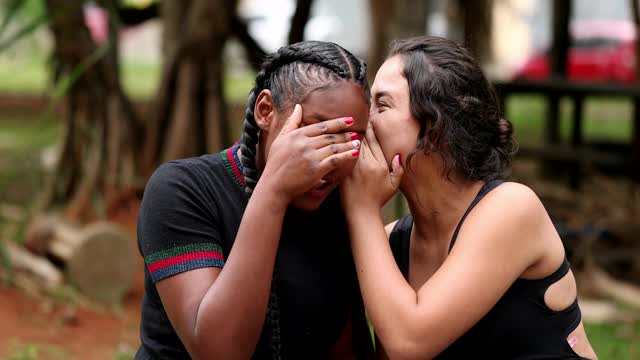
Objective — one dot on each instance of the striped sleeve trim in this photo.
(233, 165)
(165, 263)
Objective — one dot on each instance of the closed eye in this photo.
(381, 106)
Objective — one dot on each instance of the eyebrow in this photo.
(380, 94)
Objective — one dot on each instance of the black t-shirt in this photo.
(189, 218)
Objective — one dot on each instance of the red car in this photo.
(601, 51)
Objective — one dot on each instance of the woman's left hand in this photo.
(372, 183)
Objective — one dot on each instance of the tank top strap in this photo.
(484, 190)
(558, 274)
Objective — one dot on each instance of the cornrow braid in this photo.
(289, 74)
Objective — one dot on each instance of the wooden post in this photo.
(635, 156)
(559, 47)
(477, 18)
(576, 140)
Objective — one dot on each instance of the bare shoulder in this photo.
(515, 201)
(506, 224)
(511, 212)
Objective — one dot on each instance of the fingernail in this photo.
(354, 136)
(356, 144)
(355, 153)
(572, 341)
(348, 121)
(400, 159)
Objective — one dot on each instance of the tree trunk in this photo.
(299, 20)
(635, 173)
(190, 116)
(476, 17)
(393, 20)
(100, 258)
(97, 158)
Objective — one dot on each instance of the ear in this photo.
(264, 110)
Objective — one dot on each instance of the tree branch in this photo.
(299, 21)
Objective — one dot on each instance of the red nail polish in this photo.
(355, 153)
(348, 121)
(354, 136)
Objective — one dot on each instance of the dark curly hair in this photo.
(291, 74)
(457, 109)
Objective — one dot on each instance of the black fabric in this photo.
(199, 199)
(520, 325)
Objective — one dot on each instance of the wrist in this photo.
(360, 210)
(360, 203)
(275, 199)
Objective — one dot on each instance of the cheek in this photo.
(395, 134)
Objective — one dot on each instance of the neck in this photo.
(436, 203)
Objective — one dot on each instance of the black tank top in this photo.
(520, 325)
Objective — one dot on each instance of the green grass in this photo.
(22, 139)
(28, 133)
(23, 76)
(603, 118)
(31, 76)
(615, 341)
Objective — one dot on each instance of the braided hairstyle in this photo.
(291, 74)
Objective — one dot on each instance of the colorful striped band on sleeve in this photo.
(169, 262)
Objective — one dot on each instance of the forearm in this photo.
(232, 312)
(388, 297)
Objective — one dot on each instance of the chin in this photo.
(307, 203)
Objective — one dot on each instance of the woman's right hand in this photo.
(300, 156)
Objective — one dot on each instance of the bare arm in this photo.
(221, 311)
(420, 324)
(441, 311)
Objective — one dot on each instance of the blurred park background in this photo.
(95, 94)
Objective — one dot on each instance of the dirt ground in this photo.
(38, 327)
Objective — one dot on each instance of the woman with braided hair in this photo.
(246, 251)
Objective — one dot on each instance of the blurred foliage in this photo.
(20, 19)
(30, 76)
(140, 4)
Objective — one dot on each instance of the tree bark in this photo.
(191, 111)
(299, 20)
(393, 20)
(97, 155)
(477, 23)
